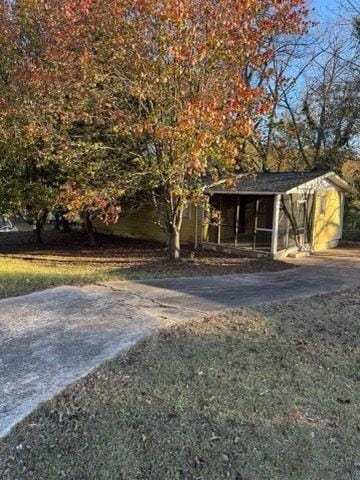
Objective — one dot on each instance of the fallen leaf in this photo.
(199, 461)
(239, 476)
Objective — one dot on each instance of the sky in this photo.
(325, 9)
(335, 17)
(330, 15)
(329, 11)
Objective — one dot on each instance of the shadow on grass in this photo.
(75, 244)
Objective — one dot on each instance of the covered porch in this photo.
(255, 224)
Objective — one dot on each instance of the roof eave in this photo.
(330, 176)
(341, 183)
(239, 192)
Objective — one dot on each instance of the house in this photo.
(260, 214)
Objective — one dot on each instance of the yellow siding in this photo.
(189, 225)
(328, 226)
(141, 223)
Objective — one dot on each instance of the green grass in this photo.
(19, 276)
(263, 394)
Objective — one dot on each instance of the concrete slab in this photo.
(344, 257)
(49, 339)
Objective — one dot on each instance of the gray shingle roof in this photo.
(267, 182)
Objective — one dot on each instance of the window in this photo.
(322, 209)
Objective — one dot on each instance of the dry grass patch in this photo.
(268, 393)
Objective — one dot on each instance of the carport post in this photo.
(275, 224)
(220, 220)
(196, 243)
(237, 220)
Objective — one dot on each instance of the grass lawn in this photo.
(259, 394)
(65, 259)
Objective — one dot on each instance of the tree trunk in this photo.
(38, 232)
(174, 244)
(65, 225)
(57, 221)
(89, 228)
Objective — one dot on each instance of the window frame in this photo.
(322, 204)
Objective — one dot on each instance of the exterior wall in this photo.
(141, 223)
(327, 227)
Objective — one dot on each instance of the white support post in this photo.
(220, 220)
(257, 205)
(196, 227)
(202, 231)
(237, 220)
(275, 224)
(342, 211)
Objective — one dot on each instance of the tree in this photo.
(51, 132)
(95, 183)
(268, 145)
(321, 114)
(176, 96)
(331, 111)
(29, 174)
(184, 94)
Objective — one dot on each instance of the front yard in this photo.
(65, 259)
(270, 393)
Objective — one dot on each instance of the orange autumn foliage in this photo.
(168, 76)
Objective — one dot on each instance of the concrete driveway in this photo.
(328, 271)
(51, 338)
